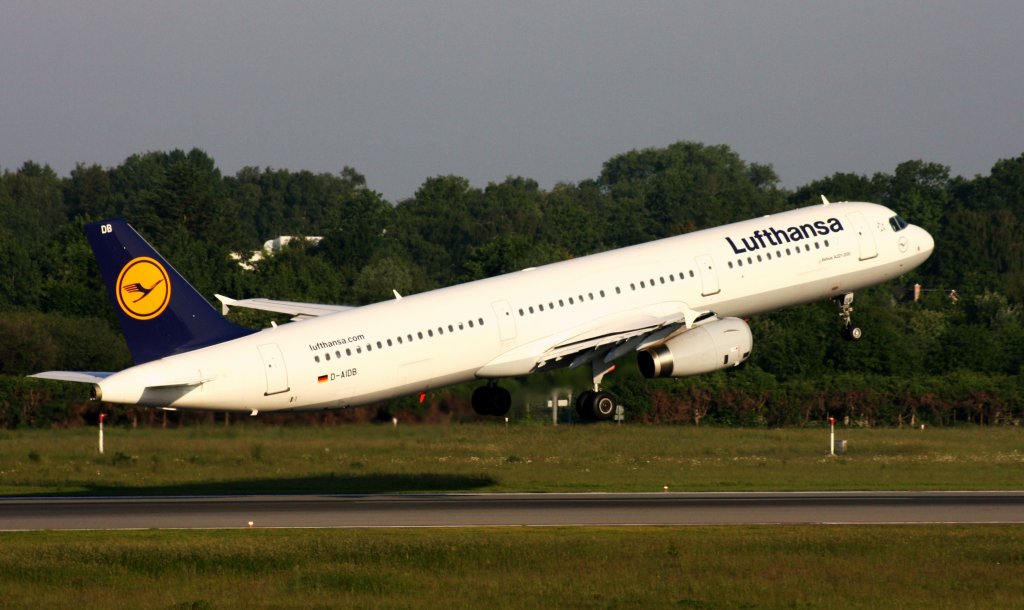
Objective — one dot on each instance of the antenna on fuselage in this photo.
(824, 200)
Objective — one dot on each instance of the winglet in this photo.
(225, 303)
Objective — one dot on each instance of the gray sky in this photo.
(548, 90)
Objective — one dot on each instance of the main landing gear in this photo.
(591, 405)
(491, 399)
(595, 405)
(849, 332)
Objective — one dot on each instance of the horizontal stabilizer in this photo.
(75, 376)
(299, 311)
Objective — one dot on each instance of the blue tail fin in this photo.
(160, 313)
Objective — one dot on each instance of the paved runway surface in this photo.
(458, 510)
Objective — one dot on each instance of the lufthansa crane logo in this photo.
(143, 288)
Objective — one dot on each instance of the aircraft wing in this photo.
(614, 340)
(298, 311)
(609, 340)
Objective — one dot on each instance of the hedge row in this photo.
(750, 400)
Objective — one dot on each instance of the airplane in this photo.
(677, 303)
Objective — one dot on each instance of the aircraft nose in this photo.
(926, 243)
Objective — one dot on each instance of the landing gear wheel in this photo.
(491, 400)
(849, 332)
(852, 333)
(585, 405)
(603, 406)
(595, 406)
(501, 401)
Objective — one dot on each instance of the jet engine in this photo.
(702, 349)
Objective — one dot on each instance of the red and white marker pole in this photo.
(832, 436)
(102, 417)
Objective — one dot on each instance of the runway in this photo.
(545, 509)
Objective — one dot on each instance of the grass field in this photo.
(931, 567)
(495, 458)
(700, 567)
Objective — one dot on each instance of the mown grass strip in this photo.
(699, 567)
(417, 459)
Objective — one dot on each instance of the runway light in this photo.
(250, 524)
(665, 488)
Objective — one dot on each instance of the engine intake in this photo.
(716, 345)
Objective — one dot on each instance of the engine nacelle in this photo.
(710, 347)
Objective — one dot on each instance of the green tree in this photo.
(688, 185)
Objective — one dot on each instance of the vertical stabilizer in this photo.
(160, 313)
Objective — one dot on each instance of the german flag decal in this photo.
(321, 379)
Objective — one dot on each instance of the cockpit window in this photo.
(897, 223)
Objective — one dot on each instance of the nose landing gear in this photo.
(849, 332)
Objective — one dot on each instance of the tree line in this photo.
(938, 358)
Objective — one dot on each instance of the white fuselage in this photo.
(504, 325)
